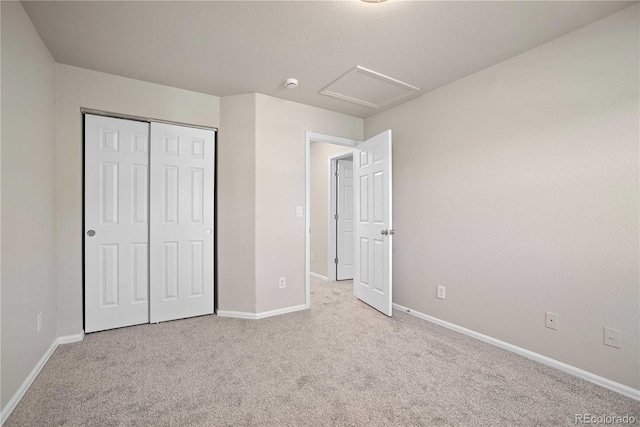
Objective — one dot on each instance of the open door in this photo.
(373, 230)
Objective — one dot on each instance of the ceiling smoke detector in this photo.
(291, 83)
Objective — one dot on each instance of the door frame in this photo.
(331, 222)
(309, 138)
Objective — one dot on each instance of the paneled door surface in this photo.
(116, 223)
(181, 219)
(344, 228)
(374, 232)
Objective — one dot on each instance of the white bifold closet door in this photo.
(149, 209)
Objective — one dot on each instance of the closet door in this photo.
(181, 221)
(116, 201)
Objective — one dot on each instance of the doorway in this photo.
(327, 149)
(372, 210)
(340, 218)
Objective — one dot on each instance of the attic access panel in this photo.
(369, 88)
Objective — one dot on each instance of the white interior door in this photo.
(181, 220)
(344, 226)
(116, 223)
(374, 233)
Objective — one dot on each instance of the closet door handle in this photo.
(91, 233)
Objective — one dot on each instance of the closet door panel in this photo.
(116, 223)
(181, 222)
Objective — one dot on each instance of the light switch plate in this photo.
(299, 211)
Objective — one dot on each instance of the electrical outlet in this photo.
(441, 292)
(551, 320)
(282, 282)
(39, 322)
(611, 337)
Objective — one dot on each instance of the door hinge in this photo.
(337, 173)
(335, 216)
(336, 260)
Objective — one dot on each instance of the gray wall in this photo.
(262, 181)
(28, 199)
(517, 189)
(78, 87)
(319, 177)
(280, 187)
(236, 204)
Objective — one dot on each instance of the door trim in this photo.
(309, 138)
(84, 110)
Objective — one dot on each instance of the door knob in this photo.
(209, 231)
(384, 232)
(91, 233)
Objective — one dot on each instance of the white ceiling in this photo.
(233, 47)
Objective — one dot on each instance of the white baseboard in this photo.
(246, 315)
(569, 369)
(236, 314)
(280, 311)
(318, 276)
(8, 409)
(71, 338)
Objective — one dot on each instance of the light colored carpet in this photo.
(340, 363)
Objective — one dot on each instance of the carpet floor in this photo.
(340, 363)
